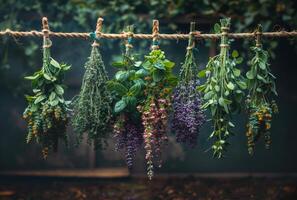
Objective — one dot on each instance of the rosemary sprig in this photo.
(46, 113)
(92, 108)
(223, 90)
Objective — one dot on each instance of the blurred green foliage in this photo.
(81, 15)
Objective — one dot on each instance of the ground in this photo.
(186, 188)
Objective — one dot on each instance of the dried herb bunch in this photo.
(188, 116)
(260, 103)
(46, 113)
(223, 90)
(92, 108)
(127, 91)
(159, 83)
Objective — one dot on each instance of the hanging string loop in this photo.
(45, 31)
(155, 32)
(97, 34)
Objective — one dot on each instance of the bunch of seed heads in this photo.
(46, 113)
(260, 103)
(92, 108)
(223, 90)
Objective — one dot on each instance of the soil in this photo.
(187, 188)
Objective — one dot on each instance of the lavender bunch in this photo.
(128, 137)
(188, 116)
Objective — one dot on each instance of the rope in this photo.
(197, 35)
(155, 35)
(47, 43)
(98, 31)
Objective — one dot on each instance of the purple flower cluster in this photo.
(188, 116)
(128, 137)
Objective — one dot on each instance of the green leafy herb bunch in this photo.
(46, 113)
(92, 108)
(223, 90)
(260, 103)
(127, 91)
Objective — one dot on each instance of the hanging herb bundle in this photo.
(159, 84)
(127, 90)
(260, 103)
(92, 108)
(188, 116)
(46, 113)
(223, 90)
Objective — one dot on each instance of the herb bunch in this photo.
(223, 90)
(92, 108)
(260, 103)
(46, 113)
(159, 83)
(127, 91)
(188, 116)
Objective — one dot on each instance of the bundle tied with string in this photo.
(188, 116)
(92, 108)
(159, 83)
(46, 113)
(260, 102)
(223, 91)
(127, 90)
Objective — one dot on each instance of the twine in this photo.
(98, 32)
(45, 31)
(258, 35)
(155, 35)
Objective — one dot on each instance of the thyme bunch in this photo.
(188, 116)
(92, 108)
(223, 90)
(260, 103)
(159, 84)
(46, 113)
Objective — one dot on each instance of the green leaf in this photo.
(52, 96)
(217, 88)
(223, 102)
(239, 60)
(168, 64)
(259, 77)
(202, 73)
(118, 64)
(208, 95)
(235, 54)
(262, 65)
(159, 65)
(35, 76)
(157, 75)
(65, 67)
(59, 89)
(122, 75)
(39, 99)
(141, 72)
(250, 75)
(242, 85)
(137, 63)
(54, 63)
(130, 101)
(47, 77)
(135, 89)
(236, 72)
(119, 106)
(231, 86)
(117, 87)
(54, 102)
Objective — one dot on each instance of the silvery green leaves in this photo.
(46, 113)
(92, 108)
(259, 76)
(222, 92)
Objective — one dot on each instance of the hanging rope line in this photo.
(154, 36)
